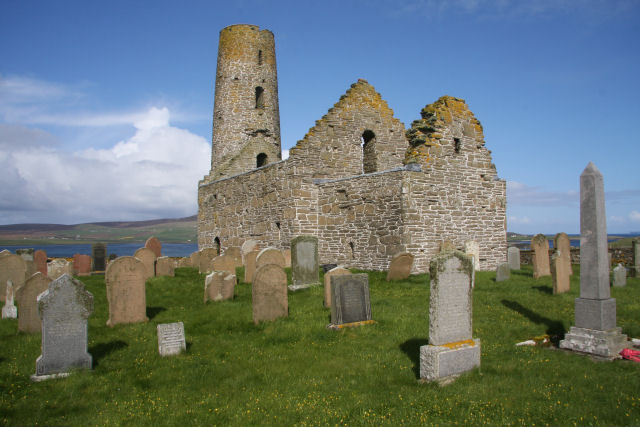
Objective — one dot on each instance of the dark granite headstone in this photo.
(350, 299)
(99, 254)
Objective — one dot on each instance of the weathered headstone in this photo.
(269, 256)
(595, 331)
(58, 267)
(540, 256)
(204, 259)
(219, 286)
(40, 260)
(503, 272)
(224, 263)
(235, 253)
(248, 246)
(286, 253)
(64, 309)
(27, 297)
(125, 279)
(99, 256)
(171, 339)
(350, 301)
(400, 266)
(27, 256)
(4, 252)
(472, 249)
(513, 257)
(12, 267)
(304, 262)
(619, 276)
(250, 265)
(635, 251)
(81, 265)
(269, 293)
(560, 273)
(154, 244)
(9, 310)
(337, 271)
(452, 349)
(562, 244)
(148, 258)
(165, 266)
(195, 259)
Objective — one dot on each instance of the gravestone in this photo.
(540, 256)
(248, 246)
(154, 244)
(125, 280)
(64, 309)
(286, 253)
(148, 258)
(269, 256)
(219, 286)
(350, 302)
(40, 260)
(81, 265)
(400, 266)
(205, 257)
(635, 257)
(595, 330)
(619, 276)
(513, 257)
(472, 249)
(250, 265)
(9, 310)
(58, 267)
(560, 273)
(235, 253)
(184, 262)
(337, 271)
(224, 263)
(12, 267)
(27, 256)
(4, 252)
(451, 349)
(171, 339)
(269, 293)
(503, 272)
(195, 259)
(165, 266)
(27, 297)
(99, 256)
(562, 243)
(304, 262)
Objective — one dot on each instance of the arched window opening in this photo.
(369, 163)
(259, 57)
(216, 245)
(456, 145)
(259, 97)
(261, 160)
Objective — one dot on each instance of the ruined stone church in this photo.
(360, 182)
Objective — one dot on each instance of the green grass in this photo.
(295, 371)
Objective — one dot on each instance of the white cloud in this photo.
(634, 216)
(285, 154)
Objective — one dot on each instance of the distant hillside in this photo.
(180, 230)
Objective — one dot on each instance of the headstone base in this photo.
(294, 288)
(606, 344)
(37, 378)
(440, 362)
(9, 312)
(350, 325)
(597, 314)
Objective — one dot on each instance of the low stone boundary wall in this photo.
(618, 255)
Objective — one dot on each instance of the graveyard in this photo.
(293, 370)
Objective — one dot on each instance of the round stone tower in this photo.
(246, 117)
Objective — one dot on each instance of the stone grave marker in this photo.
(64, 309)
(12, 267)
(635, 256)
(205, 257)
(350, 302)
(125, 279)
(148, 258)
(250, 265)
(336, 271)
(513, 257)
(171, 339)
(248, 246)
(562, 243)
(472, 249)
(224, 263)
(9, 310)
(304, 262)
(560, 273)
(165, 266)
(81, 265)
(269, 293)
(269, 256)
(540, 256)
(27, 297)
(400, 266)
(4, 252)
(595, 331)
(451, 349)
(58, 267)
(234, 253)
(219, 286)
(154, 244)
(27, 256)
(40, 260)
(619, 276)
(286, 253)
(195, 259)
(99, 256)
(503, 272)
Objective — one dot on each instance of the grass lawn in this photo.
(295, 371)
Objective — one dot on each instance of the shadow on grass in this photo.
(154, 311)
(522, 273)
(555, 328)
(544, 289)
(411, 348)
(101, 350)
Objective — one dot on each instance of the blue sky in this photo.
(105, 108)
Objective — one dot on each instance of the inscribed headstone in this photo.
(540, 256)
(125, 279)
(304, 262)
(195, 259)
(337, 271)
(64, 309)
(12, 267)
(58, 267)
(248, 246)
(619, 276)
(154, 244)
(82, 265)
(250, 265)
(219, 286)
(40, 260)
(503, 272)
(286, 253)
(148, 258)
(400, 266)
(9, 310)
(99, 256)
(269, 256)
(269, 293)
(513, 257)
(562, 243)
(27, 297)
(234, 253)
(560, 273)
(472, 249)
(350, 301)
(224, 263)
(204, 259)
(165, 266)
(171, 339)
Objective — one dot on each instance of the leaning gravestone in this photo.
(350, 302)
(40, 260)
(165, 266)
(9, 310)
(148, 258)
(250, 265)
(513, 257)
(503, 272)
(64, 309)
(27, 297)
(595, 331)
(99, 255)
(125, 279)
(224, 263)
(540, 254)
(472, 249)
(219, 286)
(635, 251)
(452, 349)
(560, 272)
(12, 267)
(58, 267)
(400, 266)
(269, 293)
(154, 244)
(619, 276)
(82, 265)
(171, 339)
(337, 271)
(269, 256)
(204, 259)
(304, 262)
